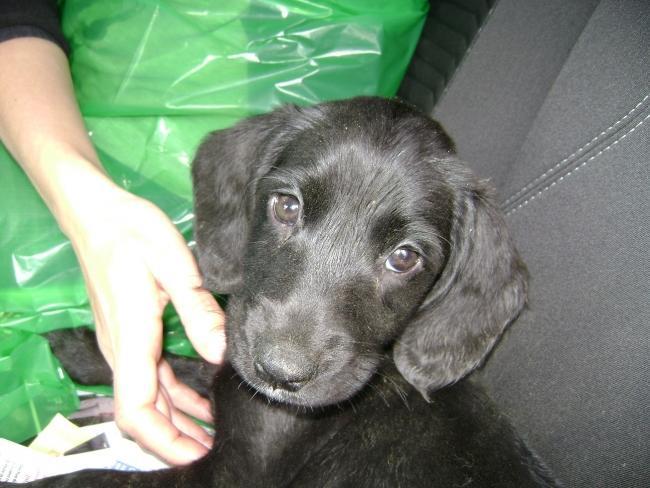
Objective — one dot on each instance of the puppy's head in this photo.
(346, 231)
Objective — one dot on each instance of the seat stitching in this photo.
(576, 153)
(584, 163)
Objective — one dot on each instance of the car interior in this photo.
(550, 101)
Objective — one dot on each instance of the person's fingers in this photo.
(182, 422)
(190, 428)
(182, 396)
(156, 433)
(146, 412)
(137, 339)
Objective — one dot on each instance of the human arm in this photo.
(133, 259)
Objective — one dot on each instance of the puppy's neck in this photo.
(261, 431)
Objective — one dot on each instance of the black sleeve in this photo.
(31, 18)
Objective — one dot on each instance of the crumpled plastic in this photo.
(152, 78)
(33, 386)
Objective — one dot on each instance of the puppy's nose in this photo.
(285, 369)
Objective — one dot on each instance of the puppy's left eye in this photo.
(286, 208)
(403, 259)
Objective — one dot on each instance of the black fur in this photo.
(336, 362)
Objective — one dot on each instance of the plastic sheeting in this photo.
(152, 78)
(33, 386)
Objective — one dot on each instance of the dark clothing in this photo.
(31, 18)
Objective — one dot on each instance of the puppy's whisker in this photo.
(374, 387)
(395, 387)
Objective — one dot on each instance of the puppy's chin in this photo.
(326, 388)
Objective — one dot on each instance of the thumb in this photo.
(178, 274)
(203, 319)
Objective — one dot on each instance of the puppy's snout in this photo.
(285, 368)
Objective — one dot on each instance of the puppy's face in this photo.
(345, 230)
(347, 237)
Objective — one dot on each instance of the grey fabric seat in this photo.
(552, 102)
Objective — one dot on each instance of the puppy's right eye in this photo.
(286, 209)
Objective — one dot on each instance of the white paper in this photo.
(20, 464)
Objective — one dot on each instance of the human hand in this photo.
(134, 262)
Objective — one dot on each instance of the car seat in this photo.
(550, 100)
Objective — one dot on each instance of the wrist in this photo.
(76, 190)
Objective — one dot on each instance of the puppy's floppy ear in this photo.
(480, 291)
(225, 171)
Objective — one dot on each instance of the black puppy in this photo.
(367, 268)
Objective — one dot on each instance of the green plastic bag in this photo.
(152, 78)
(33, 386)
